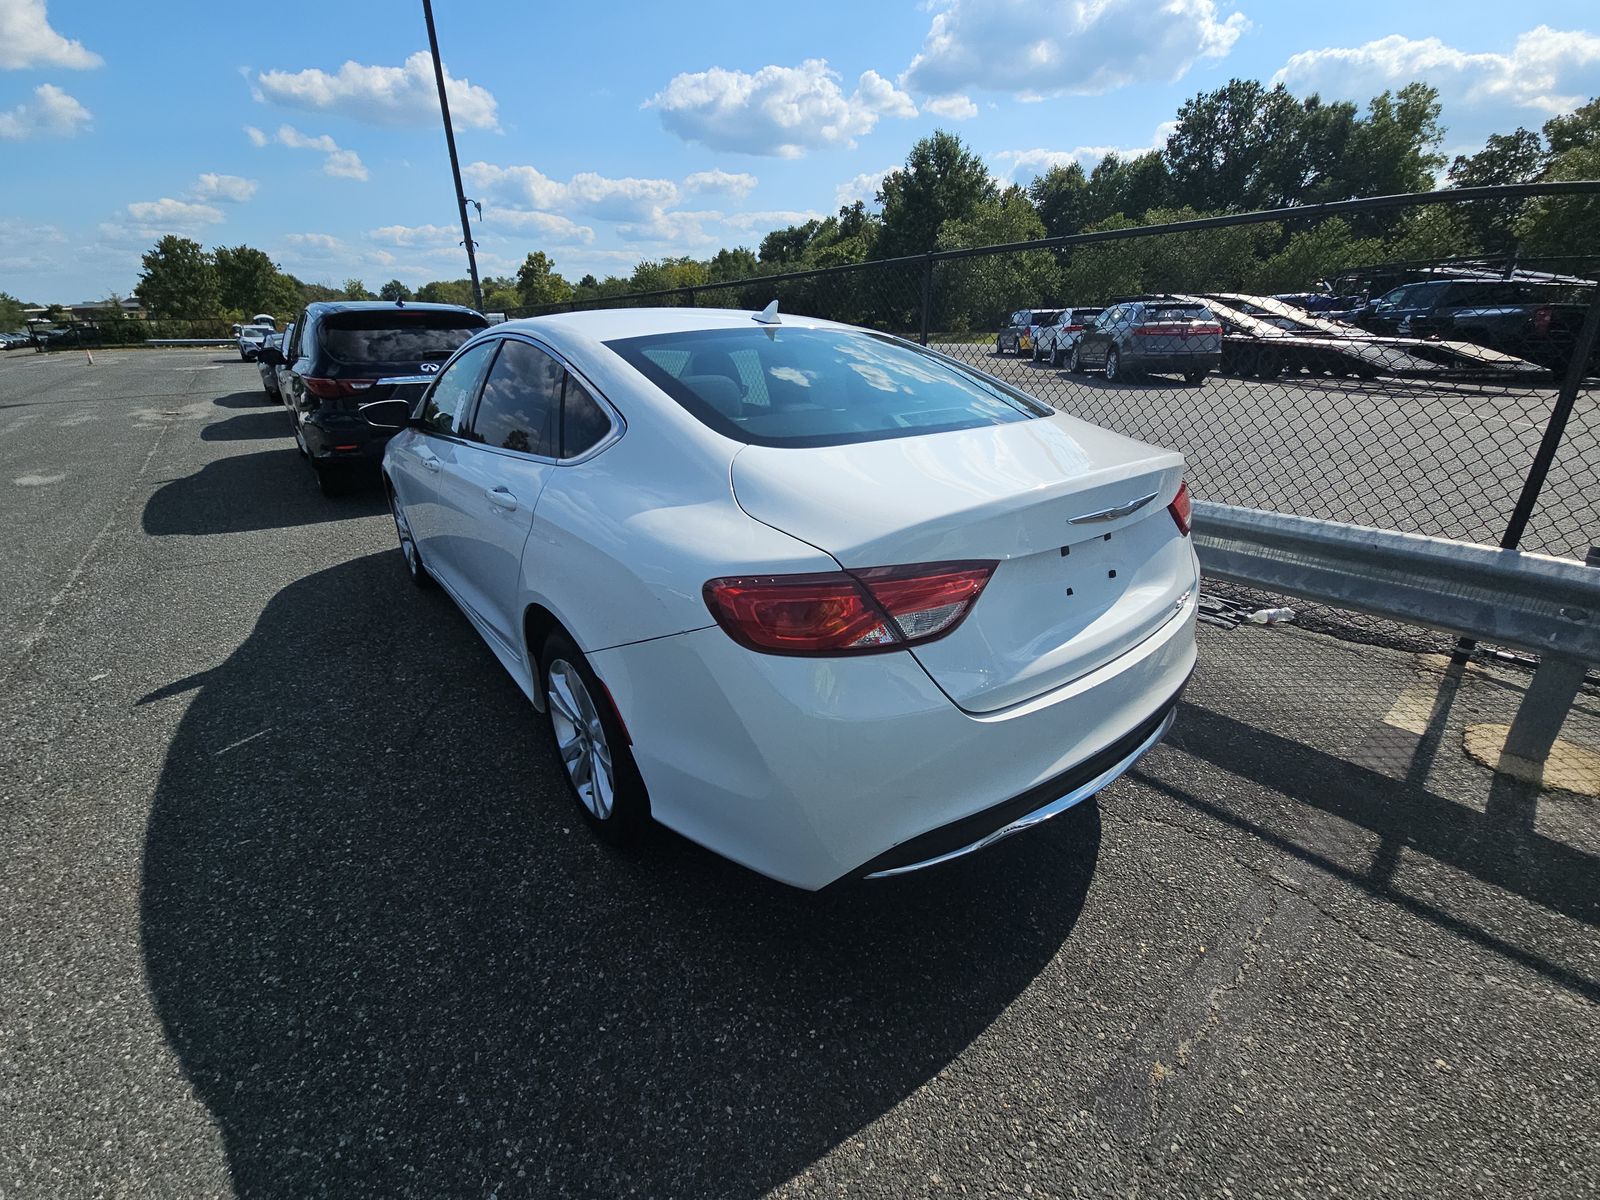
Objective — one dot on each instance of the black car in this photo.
(1151, 334)
(339, 350)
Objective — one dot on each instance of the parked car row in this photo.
(719, 552)
(1142, 335)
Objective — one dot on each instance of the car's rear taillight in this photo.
(332, 389)
(1214, 330)
(845, 612)
(1182, 508)
(1072, 328)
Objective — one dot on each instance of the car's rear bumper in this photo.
(812, 769)
(332, 441)
(1182, 360)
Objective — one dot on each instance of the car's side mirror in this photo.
(271, 355)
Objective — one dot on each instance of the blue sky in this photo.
(607, 134)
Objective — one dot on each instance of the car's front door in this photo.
(418, 458)
(1092, 344)
(508, 450)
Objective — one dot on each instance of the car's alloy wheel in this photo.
(592, 745)
(1075, 363)
(408, 544)
(1112, 366)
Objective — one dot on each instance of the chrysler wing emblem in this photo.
(1115, 511)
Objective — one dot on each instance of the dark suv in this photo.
(1531, 319)
(1151, 334)
(337, 353)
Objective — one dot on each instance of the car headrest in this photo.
(720, 392)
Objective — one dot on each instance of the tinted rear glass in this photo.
(395, 337)
(819, 387)
(1174, 312)
(1046, 316)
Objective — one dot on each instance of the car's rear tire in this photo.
(1055, 356)
(1113, 366)
(999, 346)
(591, 744)
(1194, 378)
(409, 552)
(1074, 363)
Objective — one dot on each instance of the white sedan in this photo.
(822, 600)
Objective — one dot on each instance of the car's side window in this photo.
(451, 395)
(294, 345)
(583, 421)
(521, 403)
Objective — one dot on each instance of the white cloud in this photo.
(232, 188)
(1025, 164)
(547, 226)
(26, 40)
(1546, 70)
(314, 241)
(953, 108)
(179, 214)
(586, 193)
(737, 185)
(52, 113)
(864, 187)
(1038, 48)
(340, 163)
(403, 95)
(416, 235)
(683, 229)
(782, 111)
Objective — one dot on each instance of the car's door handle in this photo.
(428, 461)
(501, 496)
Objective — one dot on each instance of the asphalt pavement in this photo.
(294, 903)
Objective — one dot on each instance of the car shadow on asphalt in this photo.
(392, 960)
(251, 426)
(266, 489)
(254, 399)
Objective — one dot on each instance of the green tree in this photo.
(664, 274)
(13, 313)
(1220, 152)
(244, 278)
(1564, 224)
(1430, 233)
(355, 289)
(179, 280)
(446, 291)
(727, 265)
(1131, 187)
(1394, 147)
(1061, 197)
(394, 290)
(1313, 254)
(1101, 271)
(1505, 158)
(976, 292)
(942, 180)
(538, 282)
(500, 293)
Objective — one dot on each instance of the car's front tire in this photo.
(591, 744)
(408, 542)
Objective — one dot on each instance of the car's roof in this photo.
(605, 324)
(340, 306)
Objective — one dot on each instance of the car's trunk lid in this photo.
(1090, 562)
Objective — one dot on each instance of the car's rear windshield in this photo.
(777, 386)
(1046, 316)
(395, 337)
(1176, 312)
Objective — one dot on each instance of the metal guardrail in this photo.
(216, 341)
(1549, 605)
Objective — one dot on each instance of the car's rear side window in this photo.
(819, 387)
(391, 337)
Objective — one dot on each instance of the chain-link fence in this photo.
(1296, 360)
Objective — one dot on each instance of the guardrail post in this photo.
(927, 294)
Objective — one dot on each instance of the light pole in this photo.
(455, 163)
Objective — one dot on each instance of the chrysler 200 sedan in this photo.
(822, 600)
